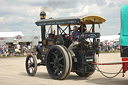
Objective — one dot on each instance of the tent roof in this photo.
(11, 34)
(109, 38)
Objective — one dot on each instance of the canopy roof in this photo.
(109, 38)
(72, 20)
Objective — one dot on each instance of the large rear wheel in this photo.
(70, 59)
(87, 74)
(58, 62)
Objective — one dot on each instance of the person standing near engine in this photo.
(124, 32)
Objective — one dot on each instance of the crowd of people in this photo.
(109, 46)
(17, 50)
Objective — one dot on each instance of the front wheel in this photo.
(31, 65)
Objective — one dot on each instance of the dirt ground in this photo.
(13, 72)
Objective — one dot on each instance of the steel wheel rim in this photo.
(57, 62)
(30, 65)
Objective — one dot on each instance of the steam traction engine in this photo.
(58, 59)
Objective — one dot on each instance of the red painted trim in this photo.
(124, 59)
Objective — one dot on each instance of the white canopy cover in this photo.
(109, 38)
(11, 34)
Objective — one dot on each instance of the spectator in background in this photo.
(17, 50)
(39, 45)
(109, 47)
(29, 47)
(114, 46)
(1, 50)
(26, 46)
(18, 47)
(103, 46)
(21, 48)
(6, 50)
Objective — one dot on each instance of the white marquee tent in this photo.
(10, 34)
(9, 37)
(109, 38)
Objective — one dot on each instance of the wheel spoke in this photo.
(57, 55)
(61, 65)
(32, 69)
(29, 65)
(54, 54)
(33, 65)
(30, 60)
(56, 71)
(54, 67)
(60, 58)
(51, 62)
(53, 58)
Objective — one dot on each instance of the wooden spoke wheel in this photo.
(31, 65)
(58, 62)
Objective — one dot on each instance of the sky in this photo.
(21, 15)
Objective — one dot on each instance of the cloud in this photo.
(85, 10)
(5, 30)
(1, 19)
(23, 2)
(20, 15)
(62, 3)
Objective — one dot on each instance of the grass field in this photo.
(12, 56)
(117, 51)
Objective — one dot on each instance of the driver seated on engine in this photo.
(84, 29)
(76, 37)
